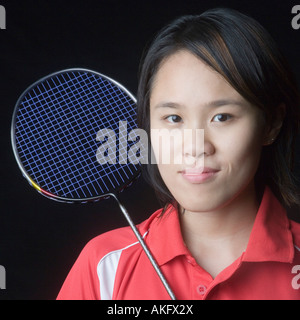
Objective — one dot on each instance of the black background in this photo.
(39, 238)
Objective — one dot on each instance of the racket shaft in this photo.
(145, 248)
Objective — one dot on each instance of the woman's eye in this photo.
(222, 117)
(173, 118)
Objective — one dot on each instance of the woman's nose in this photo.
(196, 144)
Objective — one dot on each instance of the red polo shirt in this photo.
(114, 266)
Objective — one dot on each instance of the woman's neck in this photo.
(219, 237)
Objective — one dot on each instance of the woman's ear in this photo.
(273, 129)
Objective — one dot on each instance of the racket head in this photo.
(54, 133)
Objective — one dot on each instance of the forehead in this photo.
(185, 78)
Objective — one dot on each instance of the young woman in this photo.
(223, 232)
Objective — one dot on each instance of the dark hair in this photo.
(243, 52)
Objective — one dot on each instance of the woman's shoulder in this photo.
(118, 239)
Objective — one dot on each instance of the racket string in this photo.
(50, 135)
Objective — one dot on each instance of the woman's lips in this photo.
(199, 175)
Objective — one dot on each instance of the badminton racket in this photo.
(70, 139)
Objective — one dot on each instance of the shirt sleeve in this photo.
(82, 282)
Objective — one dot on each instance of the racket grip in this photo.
(145, 247)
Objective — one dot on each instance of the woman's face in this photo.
(220, 168)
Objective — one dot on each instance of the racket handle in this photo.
(145, 247)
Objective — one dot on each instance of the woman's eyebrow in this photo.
(214, 103)
(224, 102)
(172, 105)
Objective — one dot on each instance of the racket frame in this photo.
(26, 175)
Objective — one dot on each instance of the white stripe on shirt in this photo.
(107, 269)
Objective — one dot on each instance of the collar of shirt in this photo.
(270, 239)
